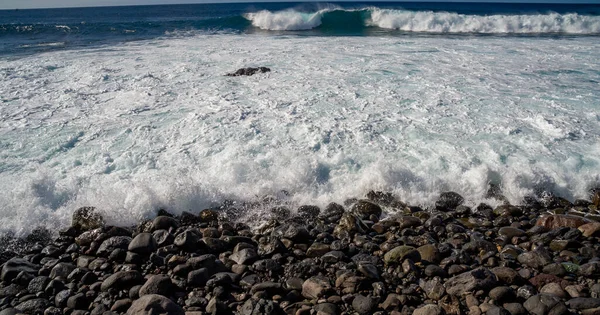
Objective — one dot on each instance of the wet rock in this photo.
(15, 266)
(143, 243)
(208, 215)
(248, 71)
(154, 304)
(560, 220)
(545, 304)
(188, 240)
(308, 211)
(478, 279)
(449, 200)
(554, 289)
(364, 209)
(349, 225)
(62, 270)
(292, 231)
(164, 223)
(87, 218)
(535, 259)
(110, 244)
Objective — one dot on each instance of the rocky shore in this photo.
(541, 258)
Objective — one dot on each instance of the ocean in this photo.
(128, 109)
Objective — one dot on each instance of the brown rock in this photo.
(590, 229)
(543, 279)
(560, 220)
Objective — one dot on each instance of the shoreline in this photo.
(541, 258)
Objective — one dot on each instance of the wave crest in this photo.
(288, 20)
(446, 22)
(427, 21)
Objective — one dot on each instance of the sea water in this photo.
(128, 109)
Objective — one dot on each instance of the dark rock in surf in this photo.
(248, 71)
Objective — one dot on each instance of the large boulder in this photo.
(154, 304)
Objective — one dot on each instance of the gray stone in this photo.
(364, 209)
(316, 287)
(515, 308)
(363, 304)
(110, 244)
(87, 218)
(164, 223)
(143, 243)
(545, 304)
(581, 303)
(535, 259)
(14, 266)
(478, 279)
(434, 289)
(244, 256)
(121, 280)
(62, 270)
(33, 306)
(154, 304)
(157, 284)
(429, 309)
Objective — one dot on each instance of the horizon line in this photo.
(593, 2)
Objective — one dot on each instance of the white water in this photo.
(435, 22)
(287, 20)
(446, 22)
(153, 124)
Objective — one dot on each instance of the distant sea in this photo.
(128, 109)
(24, 31)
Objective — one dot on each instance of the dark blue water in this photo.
(31, 31)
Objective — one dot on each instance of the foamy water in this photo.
(140, 126)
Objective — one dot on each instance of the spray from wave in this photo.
(288, 20)
(427, 21)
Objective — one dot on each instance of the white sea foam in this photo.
(152, 124)
(447, 22)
